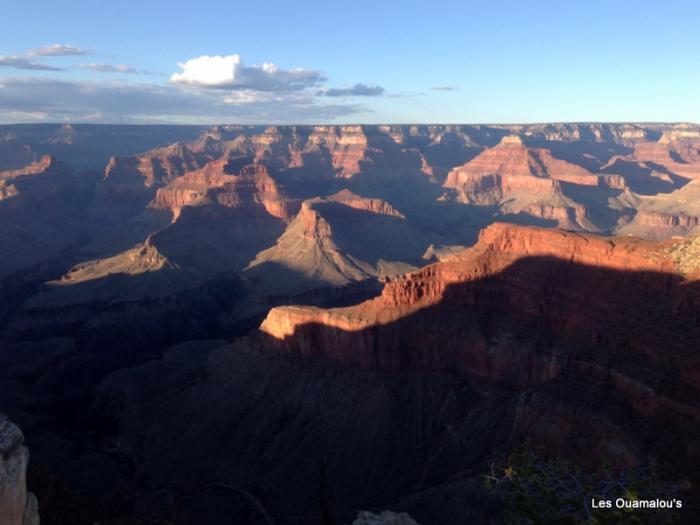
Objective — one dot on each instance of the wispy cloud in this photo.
(28, 60)
(16, 62)
(51, 100)
(445, 88)
(208, 89)
(358, 90)
(115, 68)
(108, 68)
(229, 72)
(57, 50)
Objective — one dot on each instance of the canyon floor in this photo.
(292, 324)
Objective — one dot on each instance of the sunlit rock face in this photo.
(530, 308)
(252, 186)
(499, 246)
(522, 179)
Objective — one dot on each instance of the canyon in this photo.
(207, 321)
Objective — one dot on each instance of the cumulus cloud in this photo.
(25, 63)
(358, 90)
(229, 72)
(57, 50)
(444, 88)
(35, 99)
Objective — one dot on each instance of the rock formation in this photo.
(385, 518)
(677, 151)
(511, 157)
(533, 308)
(39, 181)
(337, 240)
(215, 183)
(378, 206)
(574, 341)
(667, 214)
(17, 506)
(311, 286)
(40, 210)
(527, 180)
(156, 167)
(499, 247)
(346, 145)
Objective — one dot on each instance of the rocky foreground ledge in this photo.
(17, 506)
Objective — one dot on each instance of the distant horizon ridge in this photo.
(541, 123)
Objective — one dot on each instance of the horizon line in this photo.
(536, 123)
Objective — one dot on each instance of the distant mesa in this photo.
(337, 240)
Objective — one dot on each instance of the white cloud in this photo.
(57, 50)
(211, 71)
(229, 72)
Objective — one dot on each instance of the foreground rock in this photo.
(17, 506)
(385, 518)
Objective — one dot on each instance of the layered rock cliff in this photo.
(39, 181)
(41, 207)
(583, 344)
(668, 214)
(378, 206)
(337, 240)
(522, 179)
(566, 314)
(676, 150)
(155, 167)
(218, 183)
(499, 247)
(579, 342)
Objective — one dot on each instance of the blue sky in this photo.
(342, 61)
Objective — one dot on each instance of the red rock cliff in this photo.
(574, 316)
